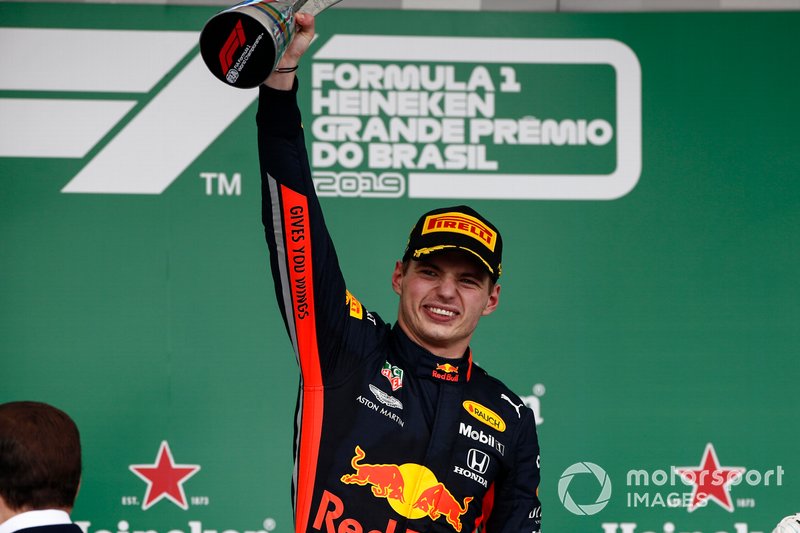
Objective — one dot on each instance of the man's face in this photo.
(442, 297)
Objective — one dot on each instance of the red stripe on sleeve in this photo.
(301, 279)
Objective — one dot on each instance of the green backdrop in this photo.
(643, 169)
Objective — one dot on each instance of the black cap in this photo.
(459, 227)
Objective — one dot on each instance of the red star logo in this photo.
(164, 479)
(710, 480)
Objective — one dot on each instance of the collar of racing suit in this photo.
(428, 365)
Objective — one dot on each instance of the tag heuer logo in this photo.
(394, 374)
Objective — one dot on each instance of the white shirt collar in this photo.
(46, 517)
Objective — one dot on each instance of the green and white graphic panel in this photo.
(641, 167)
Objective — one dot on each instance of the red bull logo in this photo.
(437, 501)
(331, 509)
(411, 490)
(386, 480)
(447, 367)
(446, 372)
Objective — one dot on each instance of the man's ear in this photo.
(493, 302)
(397, 277)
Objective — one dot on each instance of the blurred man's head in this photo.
(40, 457)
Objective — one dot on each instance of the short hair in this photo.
(40, 456)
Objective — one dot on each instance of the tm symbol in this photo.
(224, 186)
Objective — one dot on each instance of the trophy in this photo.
(243, 44)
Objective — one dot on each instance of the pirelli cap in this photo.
(459, 227)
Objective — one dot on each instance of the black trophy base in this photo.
(237, 49)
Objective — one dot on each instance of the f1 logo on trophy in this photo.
(243, 44)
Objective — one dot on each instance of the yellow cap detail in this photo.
(426, 251)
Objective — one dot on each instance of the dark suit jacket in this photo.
(60, 528)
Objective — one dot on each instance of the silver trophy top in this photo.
(313, 7)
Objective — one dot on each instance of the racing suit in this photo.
(388, 437)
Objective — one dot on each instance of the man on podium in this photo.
(397, 428)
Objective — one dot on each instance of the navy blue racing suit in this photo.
(389, 437)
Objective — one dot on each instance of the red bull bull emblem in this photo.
(386, 480)
(428, 497)
(437, 501)
(446, 372)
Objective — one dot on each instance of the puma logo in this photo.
(516, 407)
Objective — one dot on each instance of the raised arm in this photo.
(322, 320)
(283, 77)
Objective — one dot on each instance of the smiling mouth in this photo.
(440, 312)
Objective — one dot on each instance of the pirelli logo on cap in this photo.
(460, 223)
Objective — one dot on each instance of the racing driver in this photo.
(397, 429)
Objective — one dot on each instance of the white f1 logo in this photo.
(154, 146)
